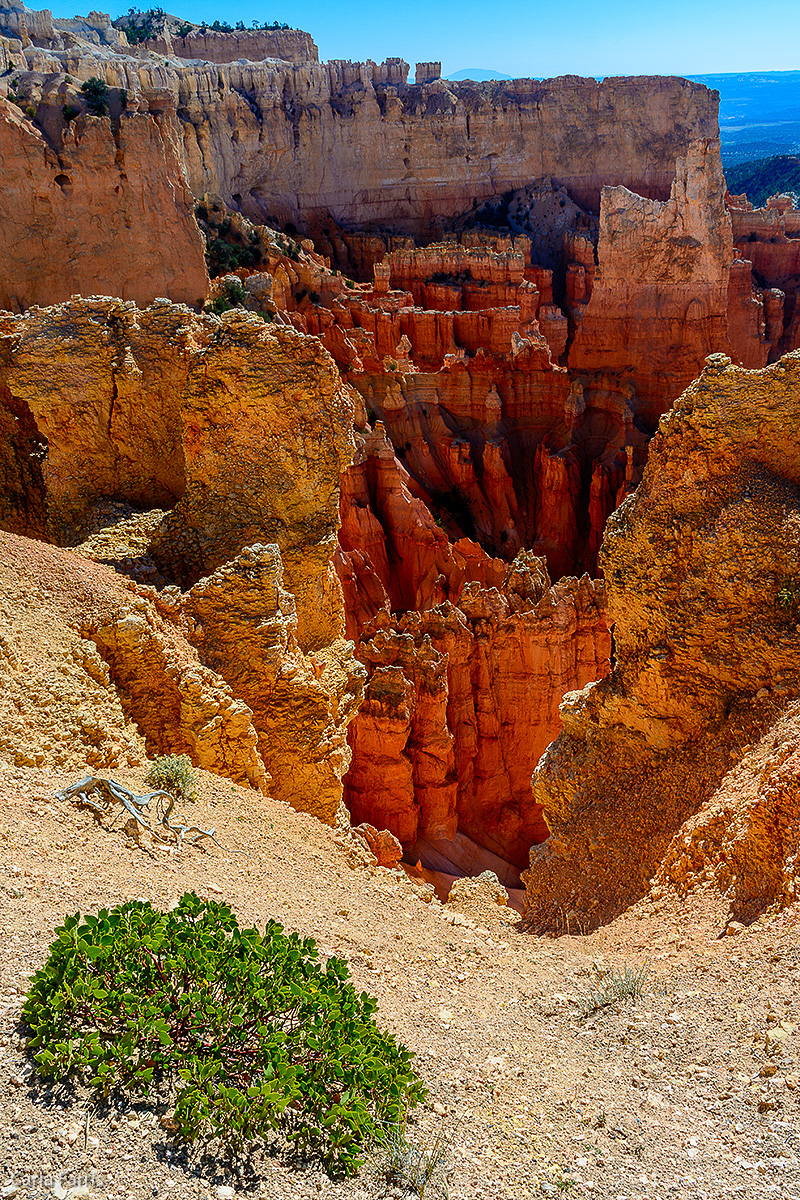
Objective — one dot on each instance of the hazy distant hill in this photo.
(764, 178)
(477, 73)
(759, 113)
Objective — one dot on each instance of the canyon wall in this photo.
(330, 141)
(357, 144)
(701, 567)
(107, 211)
(255, 45)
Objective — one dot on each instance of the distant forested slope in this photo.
(765, 177)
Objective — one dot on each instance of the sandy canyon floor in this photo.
(693, 1092)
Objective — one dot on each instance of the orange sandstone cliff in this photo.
(104, 209)
(204, 424)
(679, 764)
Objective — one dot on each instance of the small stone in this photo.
(9, 1191)
(734, 928)
(225, 1193)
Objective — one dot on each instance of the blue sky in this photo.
(532, 37)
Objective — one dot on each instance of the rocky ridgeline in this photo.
(274, 139)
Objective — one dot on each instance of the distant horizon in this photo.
(685, 39)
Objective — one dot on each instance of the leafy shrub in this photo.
(224, 257)
(69, 112)
(234, 297)
(251, 1030)
(173, 773)
(95, 93)
(788, 598)
(235, 291)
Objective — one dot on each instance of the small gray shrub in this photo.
(418, 1168)
(607, 987)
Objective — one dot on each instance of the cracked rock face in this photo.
(240, 428)
(245, 624)
(702, 572)
(108, 212)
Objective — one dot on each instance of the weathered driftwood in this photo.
(102, 795)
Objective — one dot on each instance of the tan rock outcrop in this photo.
(244, 624)
(96, 384)
(245, 425)
(701, 568)
(745, 843)
(266, 430)
(92, 674)
(181, 707)
(108, 211)
(659, 302)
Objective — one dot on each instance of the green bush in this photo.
(788, 598)
(95, 93)
(224, 257)
(173, 773)
(142, 26)
(69, 112)
(252, 1031)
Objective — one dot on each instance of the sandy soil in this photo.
(690, 1093)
